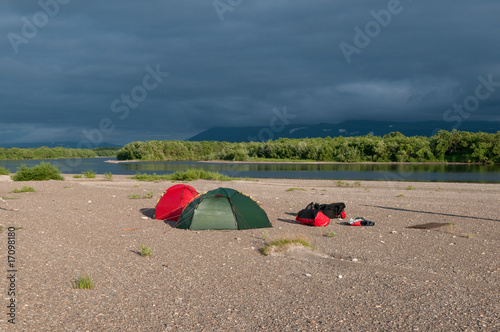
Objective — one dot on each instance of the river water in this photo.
(343, 171)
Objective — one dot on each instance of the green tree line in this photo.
(54, 153)
(445, 146)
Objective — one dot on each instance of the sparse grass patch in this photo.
(188, 175)
(410, 187)
(331, 234)
(341, 183)
(400, 195)
(145, 196)
(146, 251)
(24, 189)
(4, 171)
(44, 171)
(108, 176)
(294, 189)
(5, 198)
(280, 245)
(89, 174)
(77, 176)
(84, 282)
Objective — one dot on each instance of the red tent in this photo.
(173, 201)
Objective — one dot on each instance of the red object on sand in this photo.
(173, 201)
(312, 217)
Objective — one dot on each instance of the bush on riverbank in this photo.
(188, 175)
(42, 172)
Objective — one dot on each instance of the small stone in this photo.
(90, 201)
(238, 238)
(340, 276)
(308, 275)
(354, 259)
(393, 232)
(144, 218)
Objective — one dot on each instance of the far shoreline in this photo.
(305, 162)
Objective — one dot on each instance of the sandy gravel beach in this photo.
(383, 278)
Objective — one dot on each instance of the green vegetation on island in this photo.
(445, 146)
(55, 153)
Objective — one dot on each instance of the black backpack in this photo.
(332, 211)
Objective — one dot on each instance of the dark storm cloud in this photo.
(412, 60)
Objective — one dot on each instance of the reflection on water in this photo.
(395, 172)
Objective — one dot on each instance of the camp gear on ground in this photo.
(173, 201)
(332, 210)
(223, 208)
(312, 217)
(360, 221)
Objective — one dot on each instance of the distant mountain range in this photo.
(348, 128)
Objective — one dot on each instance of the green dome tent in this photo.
(223, 208)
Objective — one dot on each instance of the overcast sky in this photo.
(123, 70)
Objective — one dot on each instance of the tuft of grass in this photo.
(77, 176)
(400, 195)
(146, 251)
(331, 234)
(84, 282)
(4, 171)
(188, 175)
(108, 176)
(24, 189)
(89, 174)
(357, 184)
(134, 196)
(410, 187)
(294, 189)
(282, 245)
(43, 172)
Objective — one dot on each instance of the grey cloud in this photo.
(264, 54)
